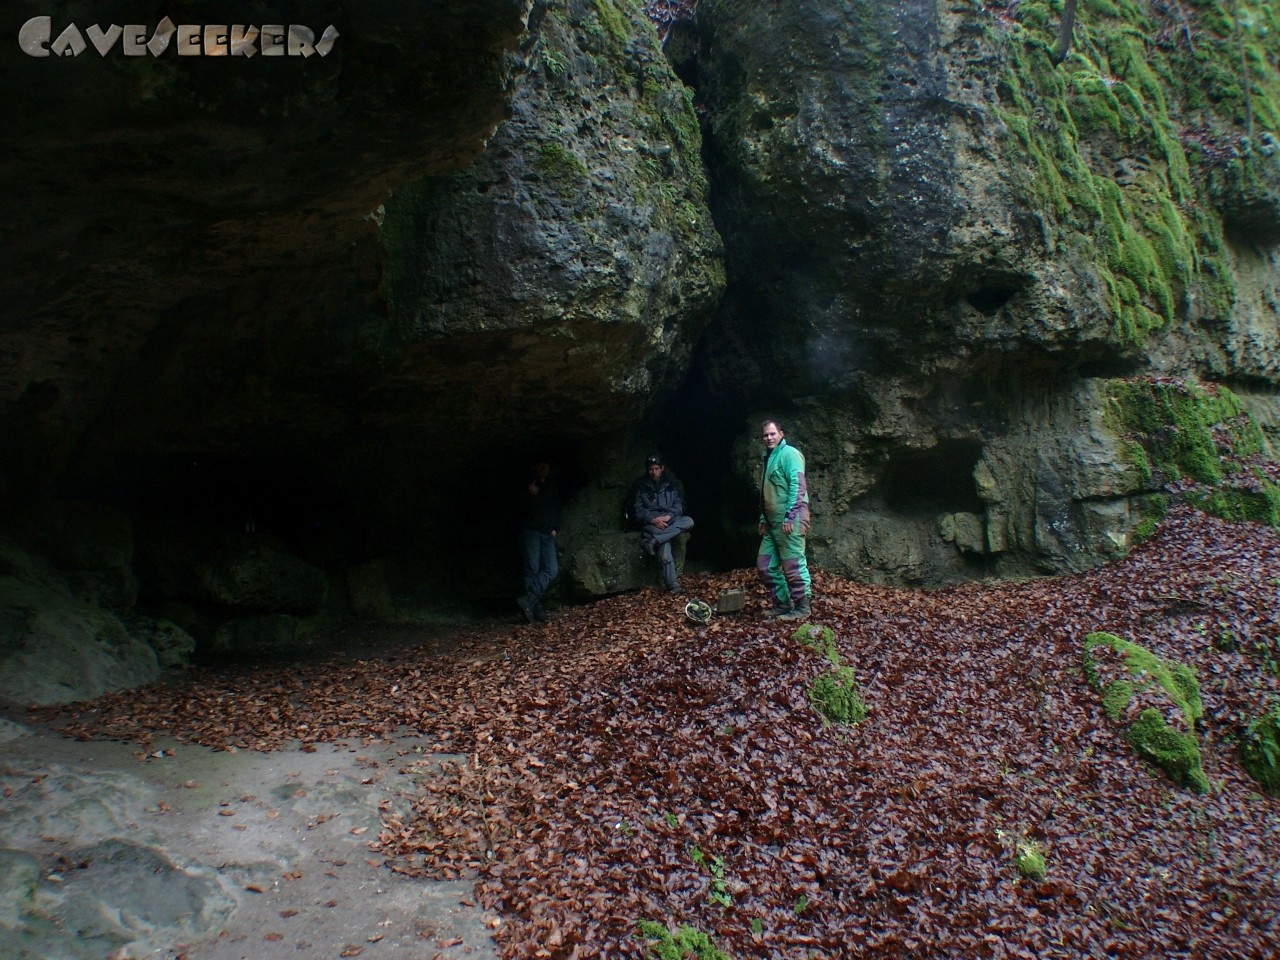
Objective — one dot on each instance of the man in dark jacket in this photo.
(539, 525)
(658, 507)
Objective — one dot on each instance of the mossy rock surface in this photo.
(1260, 750)
(1174, 752)
(1194, 116)
(1155, 702)
(1261, 505)
(1183, 429)
(1195, 438)
(837, 695)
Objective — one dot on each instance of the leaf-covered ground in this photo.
(623, 764)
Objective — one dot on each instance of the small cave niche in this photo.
(988, 300)
(937, 480)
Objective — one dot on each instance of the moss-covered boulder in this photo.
(1156, 703)
(835, 692)
(1196, 438)
(1260, 750)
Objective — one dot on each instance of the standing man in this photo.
(541, 521)
(784, 524)
(658, 506)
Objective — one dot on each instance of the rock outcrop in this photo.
(191, 234)
(301, 324)
(938, 241)
(282, 298)
(557, 285)
(57, 646)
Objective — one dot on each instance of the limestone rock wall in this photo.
(938, 241)
(189, 260)
(323, 315)
(557, 285)
(330, 305)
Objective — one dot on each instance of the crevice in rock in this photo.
(1107, 368)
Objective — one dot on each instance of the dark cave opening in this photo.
(988, 300)
(698, 429)
(937, 480)
(448, 514)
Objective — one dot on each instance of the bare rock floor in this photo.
(113, 850)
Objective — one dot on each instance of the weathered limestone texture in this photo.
(54, 647)
(937, 242)
(192, 263)
(559, 282)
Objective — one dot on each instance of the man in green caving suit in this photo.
(784, 524)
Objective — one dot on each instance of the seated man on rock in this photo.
(658, 507)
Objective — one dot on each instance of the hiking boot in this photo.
(526, 607)
(777, 610)
(800, 611)
(675, 588)
(540, 614)
(648, 545)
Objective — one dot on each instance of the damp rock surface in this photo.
(170, 849)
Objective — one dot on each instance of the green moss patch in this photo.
(612, 20)
(1197, 440)
(1190, 100)
(1181, 429)
(1260, 750)
(822, 639)
(561, 164)
(835, 693)
(1029, 860)
(1156, 702)
(686, 943)
(1149, 512)
(1256, 506)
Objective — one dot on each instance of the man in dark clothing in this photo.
(541, 521)
(658, 506)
